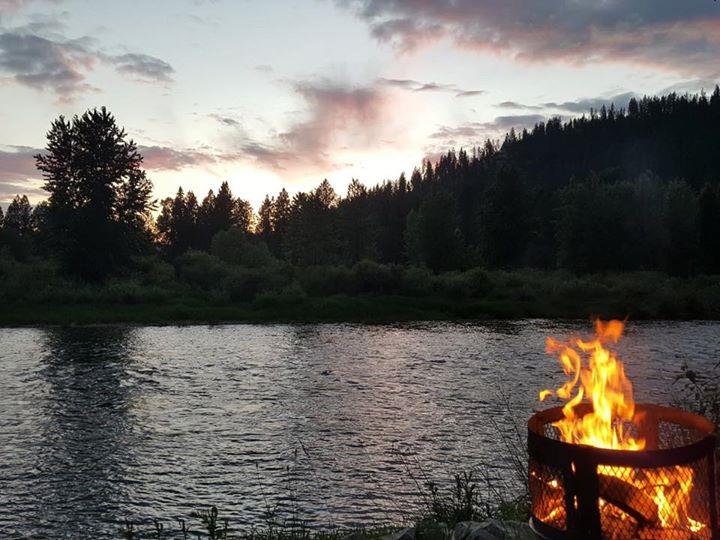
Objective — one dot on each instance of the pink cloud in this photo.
(680, 36)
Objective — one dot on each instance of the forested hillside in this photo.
(612, 191)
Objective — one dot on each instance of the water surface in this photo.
(107, 423)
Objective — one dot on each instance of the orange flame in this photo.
(602, 379)
(596, 374)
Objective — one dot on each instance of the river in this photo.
(102, 424)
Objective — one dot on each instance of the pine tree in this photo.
(18, 218)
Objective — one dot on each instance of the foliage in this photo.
(235, 246)
(99, 202)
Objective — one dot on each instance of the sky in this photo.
(269, 94)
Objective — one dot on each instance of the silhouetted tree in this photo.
(433, 237)
(681, 220)
(18, 218)
(99, 196)
(709, 221)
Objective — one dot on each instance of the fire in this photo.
(596, 375)
(603, 381)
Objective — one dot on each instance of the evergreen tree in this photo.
(709, 222)
(265, 226)
(99, 196)
(18, 218)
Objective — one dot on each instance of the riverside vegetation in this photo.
(616, 213)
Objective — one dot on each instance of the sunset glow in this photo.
(279, 94)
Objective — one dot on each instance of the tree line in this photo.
(615, 190)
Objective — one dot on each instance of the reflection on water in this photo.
(102, 424)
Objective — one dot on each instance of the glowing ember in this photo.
(596, 375)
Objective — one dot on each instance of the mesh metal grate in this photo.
(548, 494)
(664, 493)
(665, 502)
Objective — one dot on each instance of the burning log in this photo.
(633, 501)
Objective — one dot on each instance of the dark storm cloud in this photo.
(680, 35)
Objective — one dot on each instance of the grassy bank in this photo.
(201, 288)
(509, 295)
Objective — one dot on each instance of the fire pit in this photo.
(607, 468)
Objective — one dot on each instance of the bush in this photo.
(326, 280)
(236, 247)
(153, 271)
(416, 281)
(288, 296)
(372, 277)
(130, 291)
(203, 270)
(474, 283)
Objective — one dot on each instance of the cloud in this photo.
(337, 117)
(520, 106)
(143, 66)
(18, 174)
(18, 163)
(41, 63)
(471, 133)
(584, 105)
(44, 60)
(170, 159)
(681, 36)
(17, 5)
(692, 86)
(503, 123)
(225, 120)
(417, 86)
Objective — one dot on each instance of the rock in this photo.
(404, 534)
(493, 530)
(432, 530)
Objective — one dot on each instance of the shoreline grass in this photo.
(338, 294)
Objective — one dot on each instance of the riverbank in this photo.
(159, 294)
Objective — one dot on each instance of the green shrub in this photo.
(236, 247)
(416, 281)
(326, 280)
(288, 296)
(474, 283)
(372, 277)
(203, 270)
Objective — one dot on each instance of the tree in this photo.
(177, 223)
(280, 218)
(18, 218)
(243, 215)
(709, 222)
(265, 226)
(681, 221)
(99, 202)
(433, 238)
